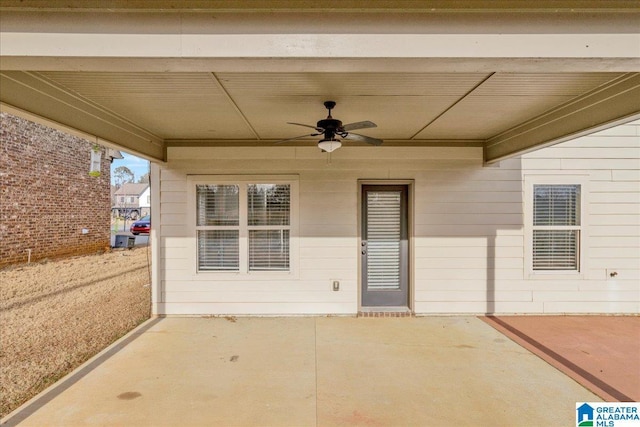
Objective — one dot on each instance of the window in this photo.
(243, 227)
(132, 200)
(218, 225)
(556, 227)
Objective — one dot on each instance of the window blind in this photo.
(218, 249)
(383, 240)
(218, 210)
(269, 207)
(218, 205)
(556, 227)
(555, 249)
(268, 250)
(556, 205)
(269, 204)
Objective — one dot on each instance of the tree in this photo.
(144, 179)
(122, 175)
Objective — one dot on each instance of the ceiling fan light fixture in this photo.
(329, 145)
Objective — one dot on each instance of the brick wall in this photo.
(47, 196)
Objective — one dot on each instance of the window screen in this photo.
(556, 227)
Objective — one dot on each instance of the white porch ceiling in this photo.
(145, 102)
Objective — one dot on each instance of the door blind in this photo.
(383, 240)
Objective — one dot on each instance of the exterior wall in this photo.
(47, 194)
(145, 202)
(609, 163)
(468, 228)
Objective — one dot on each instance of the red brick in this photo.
(47, 196)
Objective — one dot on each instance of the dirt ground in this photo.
(55, 315)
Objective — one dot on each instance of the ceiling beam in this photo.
(312, 141)
(330, 46)
(31, 93)
(609, 105)
(434, 6)
(322, 65)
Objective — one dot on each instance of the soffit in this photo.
(257, 106)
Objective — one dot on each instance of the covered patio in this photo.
(456, 90)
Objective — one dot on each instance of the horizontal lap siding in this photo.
(328, 222)
(611, 160)
(468, 230)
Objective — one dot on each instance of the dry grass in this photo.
(56, 315)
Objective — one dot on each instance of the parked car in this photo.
(143, 225)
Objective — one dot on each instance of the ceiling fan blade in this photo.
(295, 137)
(307, 126)
(359, 125)
(363, 138)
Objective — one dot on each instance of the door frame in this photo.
(409, 183)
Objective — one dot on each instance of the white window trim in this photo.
(244, 273)
(529, 182)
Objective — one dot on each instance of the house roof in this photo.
(148, 76)
(130, 189)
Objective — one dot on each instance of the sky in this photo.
(137, 165)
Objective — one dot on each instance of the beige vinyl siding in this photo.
(610, 160)
(328, 223)
(468, 251)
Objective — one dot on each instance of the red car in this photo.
(143, 225)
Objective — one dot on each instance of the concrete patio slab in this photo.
(600, 352)
(310, 372)
(435, 371)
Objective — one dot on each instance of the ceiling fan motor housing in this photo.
(331, 127)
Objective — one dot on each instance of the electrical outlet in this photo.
(335, 285)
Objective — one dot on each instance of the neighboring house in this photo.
(428, 229)
(129, 200)
(144, 202)
(113, 195)
(50, 206)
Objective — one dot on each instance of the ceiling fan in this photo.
(331, 129)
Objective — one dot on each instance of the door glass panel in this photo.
(383, 239)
